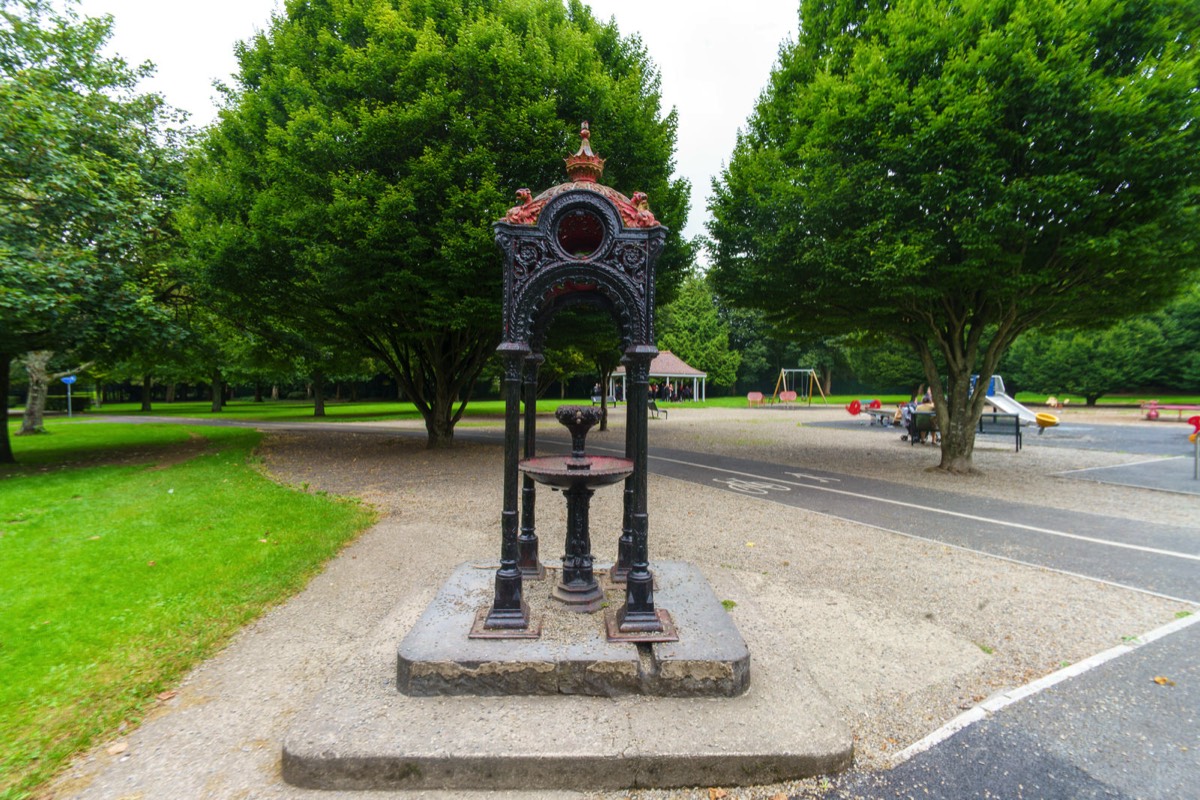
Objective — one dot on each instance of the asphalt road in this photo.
(1129, 728)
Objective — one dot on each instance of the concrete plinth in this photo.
(362, 733)
(573, 654)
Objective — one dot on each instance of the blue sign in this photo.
(69, 380)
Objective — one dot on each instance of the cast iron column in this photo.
(509, 609)
(638, 613)
(527, 541)
(620, 570)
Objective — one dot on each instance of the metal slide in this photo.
(1006, 404)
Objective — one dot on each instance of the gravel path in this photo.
(900, 634)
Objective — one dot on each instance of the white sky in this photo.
(714, 56)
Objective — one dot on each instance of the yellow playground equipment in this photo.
(800, 381)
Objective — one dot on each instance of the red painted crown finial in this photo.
(585, 166)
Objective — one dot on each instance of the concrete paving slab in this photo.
(362, 733)
(573, 654)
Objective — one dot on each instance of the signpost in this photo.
(68, 380)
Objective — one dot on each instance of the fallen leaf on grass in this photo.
(749, 544)
(164, 696)
(117, 748)
(717, 794)
(1161, 681)
(779, 796)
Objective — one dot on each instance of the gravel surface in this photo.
(900, 634)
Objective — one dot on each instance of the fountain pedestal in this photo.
(578, 475)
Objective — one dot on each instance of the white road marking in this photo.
(1122, 466)
(945, 512)
(816, 478)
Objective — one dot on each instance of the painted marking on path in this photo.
(751, 487)
(816, 478)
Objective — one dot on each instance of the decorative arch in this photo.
(540, 268)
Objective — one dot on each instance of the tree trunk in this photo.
(957, 410)
(318, 390)
(171, 392)
(1090, 399)
(274, 391)
(258, 395)
(6, 453)
(147, 386)
(604, 378)
(37, 366)
(218, 391)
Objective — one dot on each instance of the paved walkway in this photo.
(1110, 732)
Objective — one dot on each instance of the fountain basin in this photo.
(564, 472)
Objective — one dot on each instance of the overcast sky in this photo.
(714, 55)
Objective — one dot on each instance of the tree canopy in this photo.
(952, 174)
(367, 146)
(691, 328)
(78, 154)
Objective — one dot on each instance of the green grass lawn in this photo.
(129, 553)
(302, 410)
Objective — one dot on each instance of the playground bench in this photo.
(787, 398)
(1003, 422)
(921, 422)
(1152, 407)
(653, 406)
(754, 399)
(926, 422)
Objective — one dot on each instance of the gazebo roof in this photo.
(668, 365)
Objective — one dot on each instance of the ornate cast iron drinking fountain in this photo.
(579, 242)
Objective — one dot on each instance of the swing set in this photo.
(802, 382)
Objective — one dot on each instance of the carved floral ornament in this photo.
(584, 169)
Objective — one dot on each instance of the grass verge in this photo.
(129, 553)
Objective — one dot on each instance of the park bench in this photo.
(921, 422)
(1000, 424)
(654, 409)
(612, 401)
(754, 399)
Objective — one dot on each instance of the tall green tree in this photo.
(691, 328)
(74, 204)
(349, 187)
(951, 174)
(1180, 324)
(1131, 354)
